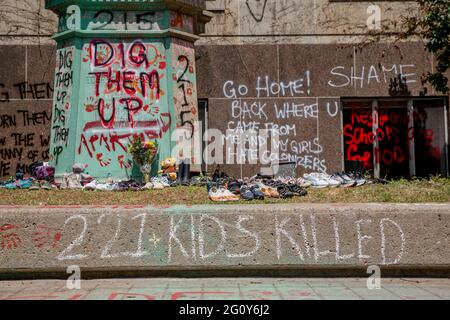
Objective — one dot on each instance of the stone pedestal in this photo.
(124, 69)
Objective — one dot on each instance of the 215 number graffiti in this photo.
(182, 81)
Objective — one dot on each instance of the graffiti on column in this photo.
(181, 21)
(184, 91)
(62, 105)
(118, 20)
(123, 100)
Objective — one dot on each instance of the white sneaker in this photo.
(346, 181)
(63, 184)
(216, 195)
(164, 181)
(228, 195)
(148, 186)
(303, 183)
(222, 195)
(105, 187)
(316, 181)
(333, 183)
(157, 184)
(91, 185)
(74, 181)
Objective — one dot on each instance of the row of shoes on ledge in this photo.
(27, 183)
(226, 189)
(337, 179)
(159, 182)
(42, 177)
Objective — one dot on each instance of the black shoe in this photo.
(180, 173)
(186, 173)
(285, 192)
(234, 186)
(246, 193)
(297, 190)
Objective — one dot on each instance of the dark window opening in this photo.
(203, 118)
(395, 138)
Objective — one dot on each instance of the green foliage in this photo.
(432, 23)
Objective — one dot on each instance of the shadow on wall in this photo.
(398, 87)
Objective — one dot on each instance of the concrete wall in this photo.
(300, 21)
(318, 44)
(297, 89)
(309, 54)
(26, 22)
(26, 83)
(26, 90)
(297, 237)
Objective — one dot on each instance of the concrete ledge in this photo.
(272, 240)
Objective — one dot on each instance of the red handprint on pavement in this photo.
(46, 236)
(9, 238)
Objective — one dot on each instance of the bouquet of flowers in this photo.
(143, 154)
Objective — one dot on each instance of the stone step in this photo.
(215, 5)
(311, 238)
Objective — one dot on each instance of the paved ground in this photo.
(228, 288)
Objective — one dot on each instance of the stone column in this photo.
(124, 69)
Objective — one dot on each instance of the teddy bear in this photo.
(170, 168)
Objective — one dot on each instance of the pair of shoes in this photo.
(94, 185)
(165, 180)
(200, 180)
(44, 185)
(35, 185)
(282, 188)
(344, 179)
(303, 183)
(251, 192)
(72, 181)
(148, 186)
(184, 173)
(135, 186)
(316, 181)
(160, 183)
(24, 183)
(222, 195)
(358, 177)
(12, 185)
(105, 187)
(297, 190)
(268, 191)
(91, 185)
(321, 180)
(234, 186)
(19, 184)
(122, 185)
(4, 183)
